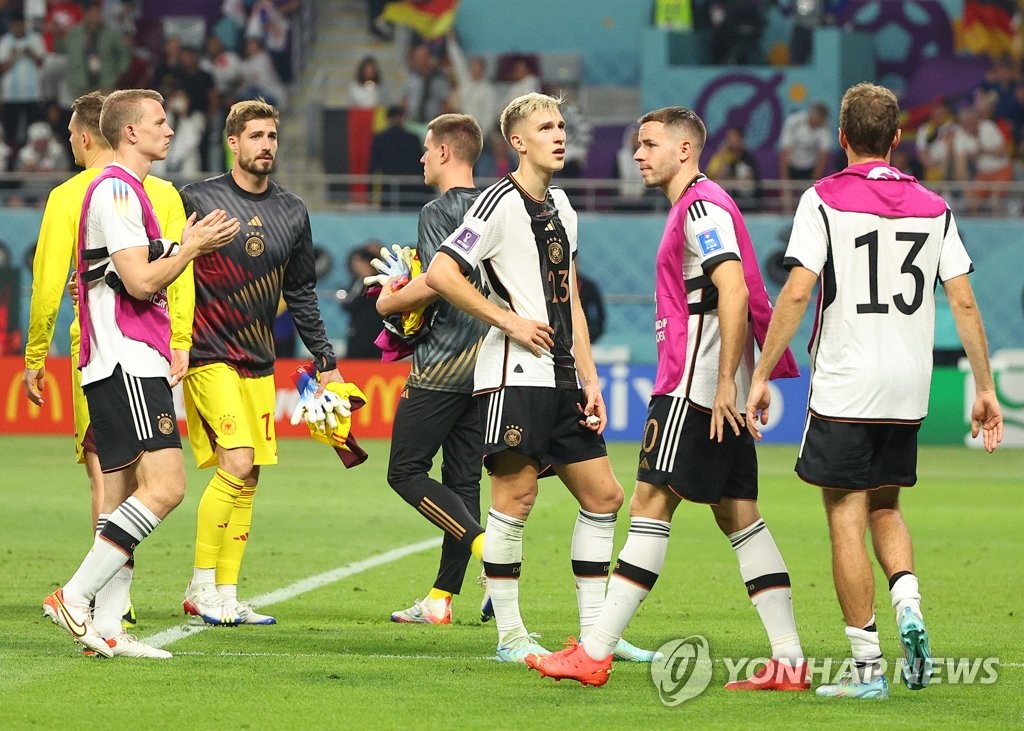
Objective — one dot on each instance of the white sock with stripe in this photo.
(503, 558)
(637, 568)
(593, 539)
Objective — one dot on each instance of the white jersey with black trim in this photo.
(871, 352)
(115, 221)
(525, 248)
(709, 238)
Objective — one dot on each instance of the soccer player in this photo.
(707, 288)
(538, 393)
(57, 247)
(877, 242)
(229, 387)
(437, 409)
(124, 266)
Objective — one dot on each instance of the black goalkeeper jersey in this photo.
(238, 288)
(445, 358)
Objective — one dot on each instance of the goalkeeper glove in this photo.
(310, 408)
(396, 262)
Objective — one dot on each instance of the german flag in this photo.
(430, 18)
(987, 27)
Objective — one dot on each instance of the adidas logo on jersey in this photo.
(255, 221)
(644, 464)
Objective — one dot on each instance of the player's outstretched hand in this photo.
(724, 411)
(757, 407)
(987, 419)
(531, 334)
(210, 233)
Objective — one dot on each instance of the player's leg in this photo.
(847, 515)
(423, 422)
(891, 539)
(219, 432)
(235, 457)
(766, 578)
(146, 446)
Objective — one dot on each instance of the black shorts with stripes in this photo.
(856, 455)
(130, 415)
(677, 453)
(541, 423)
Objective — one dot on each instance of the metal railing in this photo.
(408, 193)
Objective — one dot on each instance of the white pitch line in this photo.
(317, 581)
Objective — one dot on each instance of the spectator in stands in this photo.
(805, 145)
(61, 16)
(184, 159)
(736, 29)
(593, 305)
(97, 54)
(524, 79)
(42, 153)
(364, 324)
(139, 74)
(167, 75)
(579, 135)
(426, 88)
(734, 168)
(935, 142)
(197, 83)
(631, 184)
(5, 155)
(980, 154)
(21, 57)
(268, 21)
(224, 66)
(397, 151)
(366, 91)
(475, 94)
(123, 15)
(259, 77)
(1000, 88)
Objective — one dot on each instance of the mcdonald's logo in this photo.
(382, 396)
(54, 403)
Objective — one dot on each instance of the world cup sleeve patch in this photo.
(709, 241)
(466, 239)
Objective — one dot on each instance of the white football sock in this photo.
(636, 570)
(111, 601)
(114, 546)
(593, 539)
(767, 581)
(866, 651)
(228, 591)
(503, 558)
(906, 593)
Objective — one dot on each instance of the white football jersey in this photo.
(526, 256)
(871, 352)
(709, 238)
(115, 221)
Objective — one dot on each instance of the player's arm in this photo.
(181, 293)
(50, 266)
(986, 414)
(299, 292)
(586, 369)
(727, 276)
(445, 276)
(433, 228)
(417, 293)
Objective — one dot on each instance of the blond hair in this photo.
(87, 109)
(520, 109)
(121, 109)
(241, 113)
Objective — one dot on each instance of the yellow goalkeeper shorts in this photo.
(223, 408)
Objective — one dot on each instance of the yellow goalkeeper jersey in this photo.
(57, 254)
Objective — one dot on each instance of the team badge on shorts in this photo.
(228, 425)
(513, 435)
(254, 245)
(555, 252)
(165, 424)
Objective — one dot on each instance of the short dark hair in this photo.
(461, 132)
(243, 112)
(869, 117)
(682, 120)
(87, 108)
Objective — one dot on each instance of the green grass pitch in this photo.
(335, 661)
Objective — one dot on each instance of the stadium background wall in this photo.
(626, 389)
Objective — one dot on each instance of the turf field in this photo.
(335, 661)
